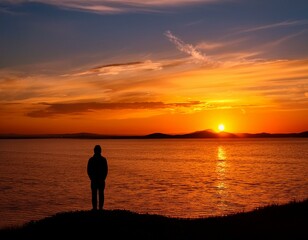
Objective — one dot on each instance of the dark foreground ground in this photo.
(287, 221)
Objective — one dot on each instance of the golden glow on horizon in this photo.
(221, 127)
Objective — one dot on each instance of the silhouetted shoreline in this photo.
(287, 221)
(198, 134)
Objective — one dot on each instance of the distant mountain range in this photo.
(198, 134)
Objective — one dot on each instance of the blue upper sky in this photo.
(76, 33)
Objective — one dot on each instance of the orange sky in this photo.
(245, 97)
(153, 67)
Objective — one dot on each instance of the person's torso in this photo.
(98, 167)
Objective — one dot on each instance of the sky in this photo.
(139, 67)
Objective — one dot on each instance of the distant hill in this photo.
(197, 134)
(274, 135)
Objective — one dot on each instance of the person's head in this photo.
(97, 149)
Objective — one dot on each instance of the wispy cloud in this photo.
(117, 68)
(186, 48)
(226, 53)
(209, 45)
(81, 108)
(86, 6)
(283, 39)
(114, 6)
(275, 25)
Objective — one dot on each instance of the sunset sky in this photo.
(144, 66)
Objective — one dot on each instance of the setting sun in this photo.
(221, 127)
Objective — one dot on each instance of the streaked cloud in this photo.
(85, 107)
(230, 52)
(186, 48)
(209, 45)
(118, 68)
(213, 45)
(281, 40)
(275, 25)
(114, 6)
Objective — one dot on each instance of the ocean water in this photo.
(187, 178)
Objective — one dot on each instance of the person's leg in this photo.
(94, 196)
(101, 196)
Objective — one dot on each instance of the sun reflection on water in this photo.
(221, 153)
(221, 173)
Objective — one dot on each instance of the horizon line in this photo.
(213, 134)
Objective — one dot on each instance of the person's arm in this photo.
(89, 168)
(106, 168)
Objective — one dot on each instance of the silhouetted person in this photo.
(97, 171)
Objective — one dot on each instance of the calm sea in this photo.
(187, 178)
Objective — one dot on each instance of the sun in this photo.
(221, 127)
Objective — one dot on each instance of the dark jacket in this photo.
(97, 168)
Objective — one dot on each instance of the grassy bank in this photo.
(288, 221)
